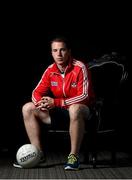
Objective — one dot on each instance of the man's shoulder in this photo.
(79, 63)
(51, 66)
(49, 69)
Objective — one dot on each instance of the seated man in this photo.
(69, 81)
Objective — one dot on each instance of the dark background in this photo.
(26, 30)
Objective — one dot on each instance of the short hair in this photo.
(62, 39)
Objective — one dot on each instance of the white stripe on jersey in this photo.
(84, 94)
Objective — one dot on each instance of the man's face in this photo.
(60, 53)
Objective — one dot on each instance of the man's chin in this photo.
(60, 63)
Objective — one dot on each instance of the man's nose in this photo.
(59, 53)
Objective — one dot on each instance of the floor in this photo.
(54, 167)
(56, 153)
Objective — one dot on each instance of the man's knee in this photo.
(28, 108)
(79, 111)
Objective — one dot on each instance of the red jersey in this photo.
(74, 86)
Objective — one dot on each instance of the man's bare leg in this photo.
(32, 118)
(78, 114)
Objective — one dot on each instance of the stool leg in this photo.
(86, 157)
(94, 159)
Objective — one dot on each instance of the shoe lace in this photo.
(72, 159)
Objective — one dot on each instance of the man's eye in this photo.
(54, 50)
(63, 49)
